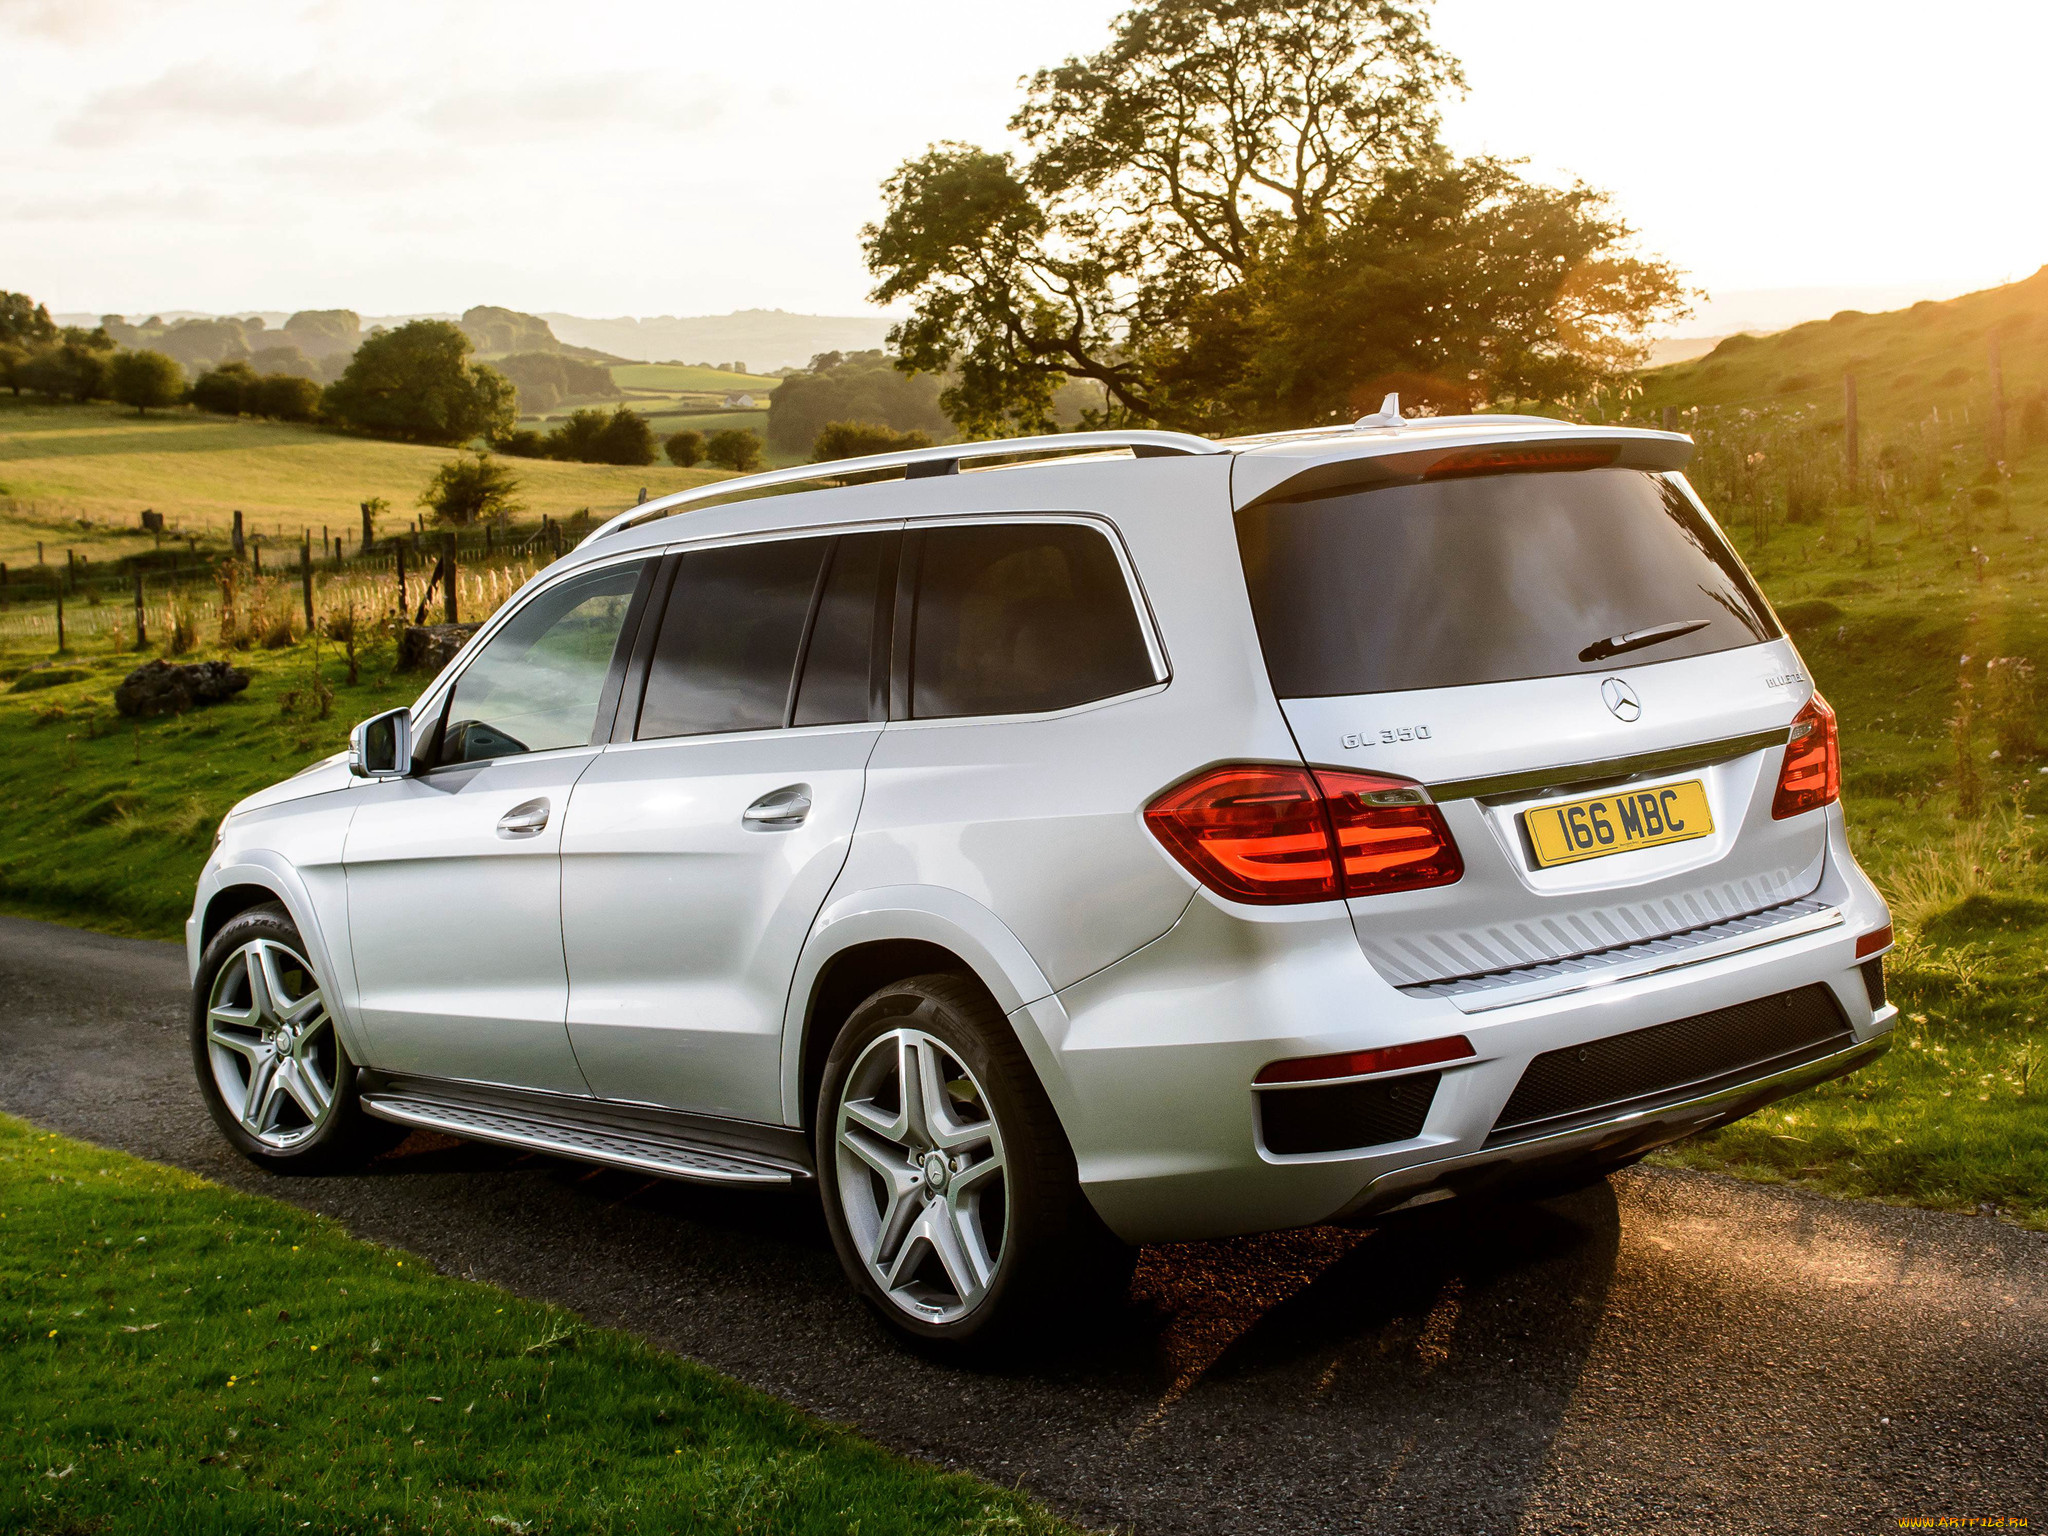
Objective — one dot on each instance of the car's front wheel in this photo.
(949, 1186)
(272, 1068)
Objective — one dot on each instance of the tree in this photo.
(417, 384)
(592, 436)
(472, 488)
(284, 397)
(1232, 199)
(24, 322)
(866, 386)
(71, 367)
(685, 450)
(225, 390)
(734, 448)
(851, 439)
(143, 379)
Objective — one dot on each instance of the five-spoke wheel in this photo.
(272, 1065)
(949, 1187)
(271, 1044)
(920, 1175)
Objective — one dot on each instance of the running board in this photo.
(699, 1148)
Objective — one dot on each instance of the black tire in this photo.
(290, 1139)
(1055, 1259)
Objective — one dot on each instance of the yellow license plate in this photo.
(1617, 822)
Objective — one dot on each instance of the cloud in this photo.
(206, 95)
(625, 103)
(180, 205)
(64, 21)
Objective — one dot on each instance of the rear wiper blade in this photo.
(1636, 639)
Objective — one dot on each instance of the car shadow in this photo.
(1411, 1375)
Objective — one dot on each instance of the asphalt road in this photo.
(1669, 1351)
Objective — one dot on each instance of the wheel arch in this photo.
(264, 876)
(858, 946)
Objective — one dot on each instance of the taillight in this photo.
(1812, 775)
(1272, 835)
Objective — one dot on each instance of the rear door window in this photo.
(839, 658)
(1489, 579)
(727, 648)
(1020, 618)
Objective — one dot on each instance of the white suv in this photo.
(1061, 844)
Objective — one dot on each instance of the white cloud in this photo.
(207, 94)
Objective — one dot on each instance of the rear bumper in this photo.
(1157, 1054)
(1614, 1139)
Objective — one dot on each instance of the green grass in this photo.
(1934, 356)
(178, 1357)
(75, 476)
(683, 378)
(107, 821)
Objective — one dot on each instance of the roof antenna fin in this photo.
(1388, 415)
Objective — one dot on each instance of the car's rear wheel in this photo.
(948, 1185)
(272, 1068)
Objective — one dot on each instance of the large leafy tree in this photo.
(1239, 215)
(417, 384)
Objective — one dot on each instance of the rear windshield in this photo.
(1490, 579)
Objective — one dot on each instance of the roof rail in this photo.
(916, 464)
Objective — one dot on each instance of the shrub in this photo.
(471, 489)
(145, 379)
(734, 448)
(225, 390)
(283, 397)
(852, 439)
(685, 449)
(73, 367)
(592, 436)
(522, 443)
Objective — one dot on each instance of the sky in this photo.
(680, 157)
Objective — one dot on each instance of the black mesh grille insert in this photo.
(1677, 1060)
(1338, 1117)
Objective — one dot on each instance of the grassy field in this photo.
(178, 1357)
(75, 476)
(687, 379)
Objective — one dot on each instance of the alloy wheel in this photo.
(921, 1175)
(271, 1043)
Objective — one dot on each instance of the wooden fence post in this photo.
(256, 555)
(306, 575)
(141, 618)
(60, 621)
(448, 601)
(398, 554)
(1849, 445)
(1670, 418)
(240, 544)
(1995, 437)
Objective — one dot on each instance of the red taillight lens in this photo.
(1392, 838)
(1812, 775)
(1390, 1058)
(1271, 835)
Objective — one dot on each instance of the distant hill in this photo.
(1907, 362)
(761, 340)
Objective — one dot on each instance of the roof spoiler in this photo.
(1520, 454)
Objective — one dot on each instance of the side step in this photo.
(700, 1148)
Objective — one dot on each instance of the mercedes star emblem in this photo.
(1621, 699)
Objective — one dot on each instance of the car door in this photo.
(701, 844)
(454, 873)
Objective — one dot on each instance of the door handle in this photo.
(779, 809)
(524, 820)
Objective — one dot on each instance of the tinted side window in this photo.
(536, 684)
(834, 690)
(1018, 618)
(729, 636)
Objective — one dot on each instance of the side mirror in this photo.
(381, 747)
